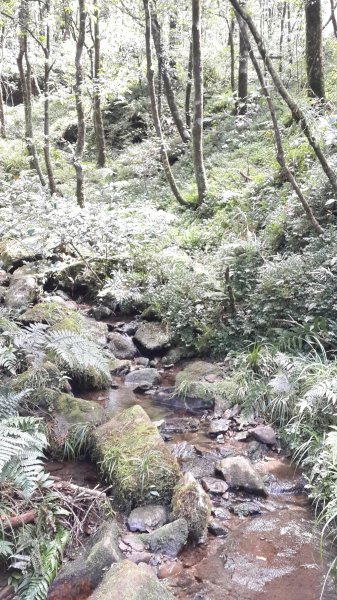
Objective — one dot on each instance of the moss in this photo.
(135, 460)
(46, 312)
(72, 321)
(192, 503)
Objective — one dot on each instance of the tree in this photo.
(188, 91)
(47, 69)
(314, 55)
(243, 68)
(2, 111)
(79, 148)
(98, 120)
(197, 132)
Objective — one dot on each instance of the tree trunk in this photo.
(231, 30)
(296, 111)
(282, 24)
(280, 155)
(169, 93)
(26, 84)
(2, 110)
(78, 155)
(47, 68)
(188, 92)
(333, 17)
(241, 108)
(98, 120)
(197, 133)
(314, 53)
(154, 106)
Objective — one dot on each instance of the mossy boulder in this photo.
(196, 383)
(169, 539)
(16, 252)
(197, 371)
(120, 367)
(50, 313)
(152, 337)
(135, 460)
(23, 290)
(127, 581)
(79, 578)
(191, 502)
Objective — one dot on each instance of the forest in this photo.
(168, 312)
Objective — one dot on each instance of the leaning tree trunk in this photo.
(188, 91)
(197, 132)
(333, 17)
(243, 69)
(297, 113)
(98, 120)
(78, 154)
(26, 84)
(314, 52)
(154, 106)
(47, 68)
(281, 158)
(169, 93)
(2, 110)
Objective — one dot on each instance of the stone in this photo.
(4, 278)
(182, 450)
(96, 330)
(79, 578)
(152, 337)
(218, 426)
(196, 371)
(170, 569)
(168, 397)
(192, 503)
(134, 459)
(49, 313)
(264, 434)
(217, 528)
(146, 518)
(139, 377)
(14, 253)
(101, 312)
(122, 346)
(169, 539)
(199, 466)
(239, 473)
(128, 581)
(246, 509)
(214, 486)
(120, 367)
(179, 425)
(23, 290)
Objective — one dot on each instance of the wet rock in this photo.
(169, 539)
(264, 434)
(133, 542)
(14, 253)
(79, 578)
(182, 450)
(256, 451)
(127, 581)
(199, 466)
(51, 313)
(101, 312)
(152, 337)
(123, 445)
(4, 278)
(217, 528)
(242, 436)
(96, 330)
(192, 503)
(146, 518)
(218, 426)
(140, 377)
(246, 509)
(169, 397)
(120, 367)
(122, 346)
(170, 569)
(214, 486)
(239, 473)
(221, 513)
(179, 425)
(142, 361)
(23, 290)
(196, 371)
(130, 328)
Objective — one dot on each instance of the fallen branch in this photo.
(246, 177)
(78, 489)
(18, 520)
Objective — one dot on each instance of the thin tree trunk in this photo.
(280, 154)
(160, 86)
(231, 30)
(2, 110)
(296, 111)
(188, 91)
(154, 106)
(169, 93)
(197, 133)
(241, 108)
(47, 67)
(98, 120)
(26, 84)
(78, 155)
(283, 18)
(333, 17)
(314, 51)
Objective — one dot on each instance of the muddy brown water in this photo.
(275, 555)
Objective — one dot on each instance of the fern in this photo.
(77, 352)
(9, 401)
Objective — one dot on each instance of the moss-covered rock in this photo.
(192, 503)
(127, 581)
(152, 337)
(120, 367)
(169, 539)
(135, 460)
(196, 383)
(15, 252)
(50, 313)
(23, 290)
(198, 371)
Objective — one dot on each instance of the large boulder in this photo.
(146, 518)
(191, 502)
(49, 313)
(143, 377)
(23, 290)
(79, 578)
(135, 460)
(122, 346)
(169, 396)
(14, 253)
(264, 434)
(169, 539)
(127, 581)
(239, 473)
(196, 381)
(152, 337)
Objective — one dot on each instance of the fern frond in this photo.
(77, 352)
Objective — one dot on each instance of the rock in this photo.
(179, 425)
(192, 503)
(217, 528)
(256, 451)
(142, 361)
(218, 426)
(168, 397)
(130, 328)
(246, 509)
(79, 578)
(122, 346)
(96, 331)
(169, 539)
(146, 518)
(120, 367)
(182, 450)
(23, 290)
(127, 581)
(140, 377)
(50, 313)
(152, 337)
(264, 434)
(70, 133)
(134, 459)
(197, 371)
(170, 569)
(14, 253)
(4, 278)
(101, 312)
(214, 486)
(239, 473)
(242, 436)
(133, 542)
(199, 466)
